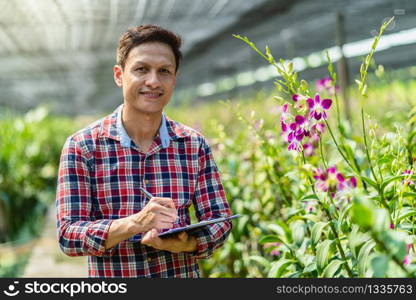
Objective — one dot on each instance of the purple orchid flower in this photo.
(298, 130)
(332, 181)
(301, 104)
(323, 84)
(326, 84)
(318, 107)
(311, 145)
(285, 118)
(408, 180)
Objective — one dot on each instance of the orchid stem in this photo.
(321, 153)
(366, 147)
(339, 149)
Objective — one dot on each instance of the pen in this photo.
(148, 195)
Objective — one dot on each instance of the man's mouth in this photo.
(151, 94)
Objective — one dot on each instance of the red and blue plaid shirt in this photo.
(99, 180)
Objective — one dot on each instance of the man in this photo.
(101, 211)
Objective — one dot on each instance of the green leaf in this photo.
(308, 197)
(310, 268)
(270, 239)
(395, 242)
(370, 182)
(356, 239)
(294, 274)
(384, 160)
(393, 178)
(342, 216)
(332, 268)
(348, 150)
(323, 253)
(380, 265)
(279, 267)
(405, 212)
(382, 220)
(260, 260)
(309, 217)
(363, 257)
(409, 194)
(277, 229)
(317, 232)
(298, 232)
(362, 215)
(407, 226)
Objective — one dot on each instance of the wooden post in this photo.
(342, 65)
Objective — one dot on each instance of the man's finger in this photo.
(170, 212)
(146, 240)
(166, 202)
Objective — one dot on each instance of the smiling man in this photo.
(101, 211)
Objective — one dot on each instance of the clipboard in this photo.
(194, 226)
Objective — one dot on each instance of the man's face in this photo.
(148, 78)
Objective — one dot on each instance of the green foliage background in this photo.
(263, 181)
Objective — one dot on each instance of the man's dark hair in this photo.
(147, 33)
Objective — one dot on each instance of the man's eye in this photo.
(141, 69)
(164, 71)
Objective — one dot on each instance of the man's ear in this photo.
(118, 75)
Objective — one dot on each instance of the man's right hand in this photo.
(159, 213)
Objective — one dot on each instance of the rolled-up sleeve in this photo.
(210, 203)
(78, 234)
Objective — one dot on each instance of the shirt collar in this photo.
(125, 140)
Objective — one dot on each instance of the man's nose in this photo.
(152, 80)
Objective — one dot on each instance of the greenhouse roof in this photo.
(62, 52)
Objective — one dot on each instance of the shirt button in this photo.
(149, 259)
(146, 182)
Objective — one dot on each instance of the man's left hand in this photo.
(181, 242)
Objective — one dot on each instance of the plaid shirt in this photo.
(100, 173)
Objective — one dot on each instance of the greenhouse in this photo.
(308, 109)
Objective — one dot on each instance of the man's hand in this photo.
(178, 243)
(159, 213)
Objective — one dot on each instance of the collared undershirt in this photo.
(126, 141)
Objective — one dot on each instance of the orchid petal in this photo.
(310, 102)
(284, 126)
(299, 119)
(332, 170)
(299, 136)
(290, 137)
(293, 126)
(326, 103)
(295, 97)
(353, 182)
(340, 178)
(317, 99)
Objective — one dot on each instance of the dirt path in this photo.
(47, 259)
